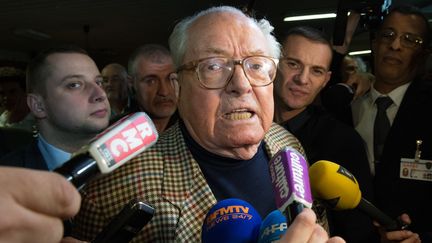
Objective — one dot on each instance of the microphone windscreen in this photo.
(231, 220)
(335, 185)
(273, 227)
(290, 179)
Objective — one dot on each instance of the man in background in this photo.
(116, 85)
(393, 120)
(65, 95)
(303, 72)
(155, 92)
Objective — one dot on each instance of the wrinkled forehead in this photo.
(225, 33)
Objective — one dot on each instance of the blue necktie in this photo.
(381, 125)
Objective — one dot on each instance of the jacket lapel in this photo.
(185, 187)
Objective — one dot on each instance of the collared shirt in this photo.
(364, 111)
(54, 157)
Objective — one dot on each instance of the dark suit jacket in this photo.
(12, 139)
(394, 195)
(26, 157)
(412, 122)
(325, 138)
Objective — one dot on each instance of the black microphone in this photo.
(112, 148)
(290, 179)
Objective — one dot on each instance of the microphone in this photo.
(110, 149)
(231, 220)
(290, 179)
(273, 227)
(340, 191)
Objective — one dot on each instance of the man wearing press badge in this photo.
(226, 63)
(393, 119)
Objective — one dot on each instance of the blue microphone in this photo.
(273, 227)
(231, 220)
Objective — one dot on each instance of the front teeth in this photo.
(239, 115)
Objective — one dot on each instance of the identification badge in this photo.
(416, 169)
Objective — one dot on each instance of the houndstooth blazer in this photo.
(167, 177)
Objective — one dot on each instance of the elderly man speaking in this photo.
(220, 148)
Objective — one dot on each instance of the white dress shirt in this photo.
(364, 111)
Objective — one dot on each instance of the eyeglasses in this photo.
(407, 40)
(216, 72)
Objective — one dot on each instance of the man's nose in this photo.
(301, 76)
(98, 93)
(165, 87)
(239, 82)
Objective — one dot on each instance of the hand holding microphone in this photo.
(340, 190)
(109, 150)
(32, 202)
(112, 148)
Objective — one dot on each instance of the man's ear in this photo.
(37, 105)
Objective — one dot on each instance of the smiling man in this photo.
(65, 96)
(226, 63)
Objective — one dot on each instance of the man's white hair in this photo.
(179, 36)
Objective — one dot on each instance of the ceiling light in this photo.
(356, 53)
(309, 17)
(31, 34)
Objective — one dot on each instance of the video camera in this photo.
(372, 13)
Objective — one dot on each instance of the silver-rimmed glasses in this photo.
(407, 39)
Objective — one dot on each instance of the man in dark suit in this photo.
(65, 96)
(303, 72)
(400, 50)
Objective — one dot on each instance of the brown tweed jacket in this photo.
(167, 177)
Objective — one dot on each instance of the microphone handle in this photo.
(79, 169)
(384, 220)
(294, 209)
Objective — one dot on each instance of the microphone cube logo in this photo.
(290, 178)
(231, 212)
(124, 141)
(231, 220)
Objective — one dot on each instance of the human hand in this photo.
(361, 82)
(402, 236)
(305, 229)
(33, 204)
(352, 22)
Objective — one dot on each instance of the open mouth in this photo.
(240, 114)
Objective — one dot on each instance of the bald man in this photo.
(115, 83)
